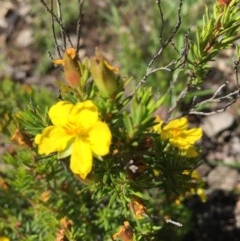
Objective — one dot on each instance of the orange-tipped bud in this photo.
(224, 2)
(104, 75)
(70, 64)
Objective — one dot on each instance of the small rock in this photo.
(203, 169)
(235, 145)
(5, 7)
(223, 177)
(214, 124)
(24, 38)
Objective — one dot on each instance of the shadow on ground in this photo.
(215, 219)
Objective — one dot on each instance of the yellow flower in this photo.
(4, 239)
(76, 131)
(179, 135)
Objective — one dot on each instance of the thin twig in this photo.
(59, 11)
(235, 66)
(184, 51)
(201, 113)
(166, 68)
(179, 98)
(169, 40)
(181, 60)
(79, 23)
(58, 21)
(162, 21)
(215, 111)
(50, 55)
(213, 99)
(164, 45)
(54, 31)
(233, 97)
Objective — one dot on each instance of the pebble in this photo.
(222, 177)
(214, 124)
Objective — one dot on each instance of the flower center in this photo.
(175, 132)
(77, 131)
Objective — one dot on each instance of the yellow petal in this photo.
(187, 138)
(72, 52)
(179, 135)
(202, 194)
(181, 141)
(4, 239)
(84, 115)
(100, 139)
(195, 175)
(191, 152)
(111, 67)
(194, 134)
(81, 158)
(59, 113)
(180, 124)
(58, 61)
(52, 139)
(159, 122)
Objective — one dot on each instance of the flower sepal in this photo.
(105, 76)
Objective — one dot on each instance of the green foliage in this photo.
(48, 192)
(147, 173)
(218, 31)
(15, 97)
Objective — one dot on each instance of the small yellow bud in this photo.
(156, 173)
(104, 75)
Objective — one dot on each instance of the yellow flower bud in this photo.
(104, 75)
(70, 64)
